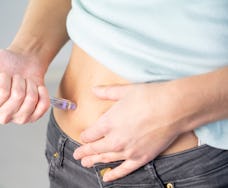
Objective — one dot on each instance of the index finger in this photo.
(43, 104)
(96, 131)
(122, 170)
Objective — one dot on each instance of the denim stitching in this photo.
(152, 170)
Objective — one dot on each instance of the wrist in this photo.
(201, 99)
(31, 47)
(42, 34)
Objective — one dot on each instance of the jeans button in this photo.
(56, 155)
(169, 185)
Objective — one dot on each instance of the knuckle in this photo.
(2, 74)
(19, 121)
(104, 158)
(117, 146)
(104, 129)
(43, 107)
(31, 98)
(18, 95)
(145, 158)
(4, 77)
(4, 94)
(46, 104)
(4, 120)
(84, 162)
(129, 153)
(33, 119)
(22, 120)
(105, 123)
(90, 149)
(107, 159)
(17, 118)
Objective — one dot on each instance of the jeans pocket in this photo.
(215, 178)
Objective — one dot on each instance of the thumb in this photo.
(114, 93)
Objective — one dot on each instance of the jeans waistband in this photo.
(172, 166)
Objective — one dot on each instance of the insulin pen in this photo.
(62, 104)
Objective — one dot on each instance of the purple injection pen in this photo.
(62, 104)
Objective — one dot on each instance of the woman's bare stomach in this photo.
(81, 75)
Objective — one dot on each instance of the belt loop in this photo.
(61, 145)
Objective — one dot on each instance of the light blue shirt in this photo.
(156, 40)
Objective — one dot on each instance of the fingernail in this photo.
(75, 155)
(106, 178)
(85, 163)
(106, 175)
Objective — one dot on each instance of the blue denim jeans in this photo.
(200, 167)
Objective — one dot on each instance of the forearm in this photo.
(203, 99)
(43, 31)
